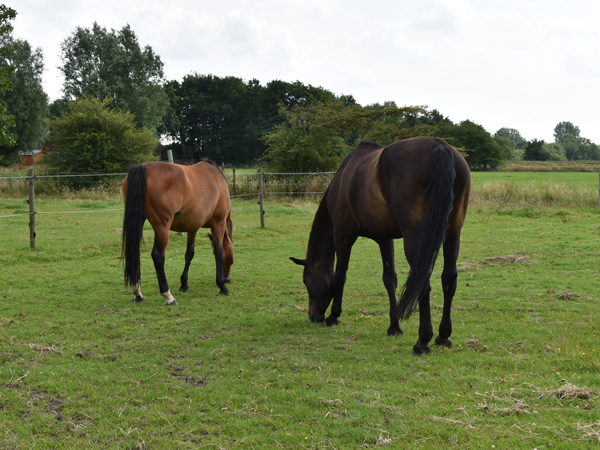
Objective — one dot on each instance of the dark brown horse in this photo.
(418, 190)
(178, 198)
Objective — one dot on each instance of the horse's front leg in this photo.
(390, 281)
(342, 250)
(158, 256)
(425, 327)
(189, 255)
(218, 231)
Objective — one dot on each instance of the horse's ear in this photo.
(300, 262)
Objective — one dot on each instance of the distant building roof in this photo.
(31, 152)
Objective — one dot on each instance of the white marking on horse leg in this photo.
(170, 300)
(137, 292)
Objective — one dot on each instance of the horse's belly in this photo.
(379, 227)
(378, 232)
(183, 222)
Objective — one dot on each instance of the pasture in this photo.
(82, 365)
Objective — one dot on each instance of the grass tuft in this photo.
(571, 392)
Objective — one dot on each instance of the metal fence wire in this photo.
(241, 185)
(248, 184)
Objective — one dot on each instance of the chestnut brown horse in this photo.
(416, 189)
(178, 198)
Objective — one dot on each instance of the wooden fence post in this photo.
(261, 194)
(234, 193)
(31, 209)
(171, 160)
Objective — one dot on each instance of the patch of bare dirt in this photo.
(44, 348)
(501, 260)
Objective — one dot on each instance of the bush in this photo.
(93, 138)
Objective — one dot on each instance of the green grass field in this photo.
(571, 179)
(82, 366)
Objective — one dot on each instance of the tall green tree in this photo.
(382, 123)
(224, 118)
(513, 135)
(207, 108)
(58, 108)
(27, 101)
(260, 106)
(563, 128)
(318, 136)
(556, 152)
(95, 138)
(507, 144)
(578, 148)
(8, 138)
(302, 144)
(482, 151)
(111, 64)
(535, 151)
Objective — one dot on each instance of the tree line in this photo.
(118, 108)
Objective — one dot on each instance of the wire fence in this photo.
(247, 184)
(241, 185)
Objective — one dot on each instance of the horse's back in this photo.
(374, 179)
(408, 161)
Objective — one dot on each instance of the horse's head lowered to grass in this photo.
(319, 288)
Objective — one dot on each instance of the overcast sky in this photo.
(524, 64)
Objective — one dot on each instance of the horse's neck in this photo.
(321, 249)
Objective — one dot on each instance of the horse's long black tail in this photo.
(133, 223)
(432, 231)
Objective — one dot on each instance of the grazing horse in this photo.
(178, 198)
(416, 189)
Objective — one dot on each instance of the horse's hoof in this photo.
(224, 292)
(395, 331)
(331, 321)
(183, 288)
(171, 302)
(138, 298)
(421, 350)
(443, 342)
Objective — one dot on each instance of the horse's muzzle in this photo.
(316, 317)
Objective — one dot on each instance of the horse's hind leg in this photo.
(449, 276)
(218, 231)
(161, 238)
(425, 327)
(390, 280)
(228, 257)
(189, 255)
(137, 292)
